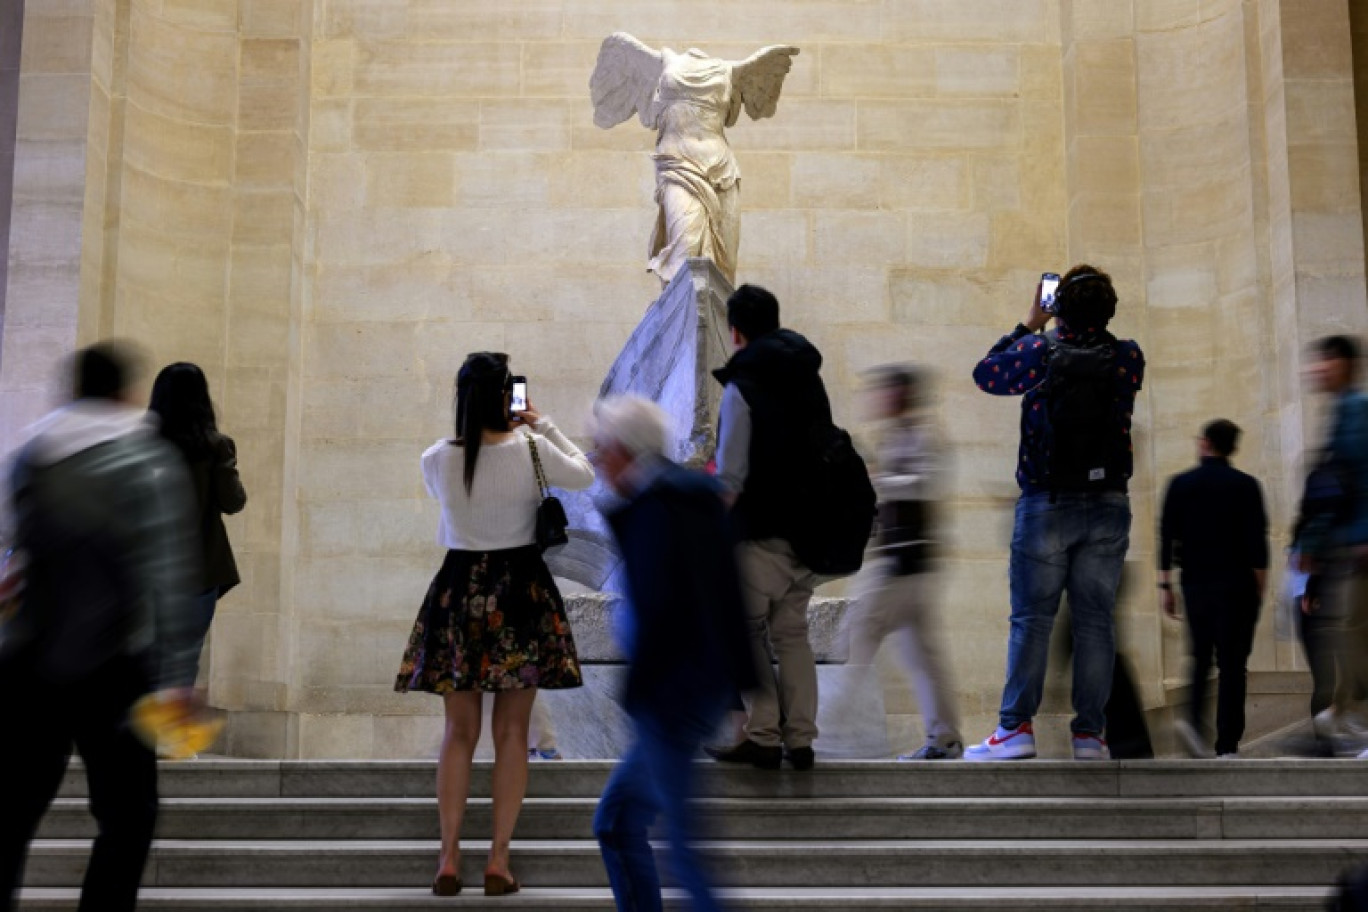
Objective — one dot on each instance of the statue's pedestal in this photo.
(669, 359)
(589, 721)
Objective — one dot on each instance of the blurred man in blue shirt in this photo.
(688, 650)
(1331, 540)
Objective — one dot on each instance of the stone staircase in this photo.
(270, 836)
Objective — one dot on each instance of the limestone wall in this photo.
(327, 203)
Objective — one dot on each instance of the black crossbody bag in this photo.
(552, 523)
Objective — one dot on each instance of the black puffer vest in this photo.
(778, 376)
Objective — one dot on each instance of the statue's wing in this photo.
(757, 81)
(624, 80)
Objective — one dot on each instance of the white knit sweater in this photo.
(500, 510)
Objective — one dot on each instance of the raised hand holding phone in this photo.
(1049, 291)
(1039, 317)
(528, 417)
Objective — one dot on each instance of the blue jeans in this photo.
(1077, 544)
(655, 776)
(204, 605)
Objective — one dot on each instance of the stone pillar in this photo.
(253, 645)
(43, 285)
(1102, 131)
(11, 37)
(1315, 209)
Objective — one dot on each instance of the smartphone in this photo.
(1049, 291)
(519, 398)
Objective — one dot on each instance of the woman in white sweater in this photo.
(493, 620)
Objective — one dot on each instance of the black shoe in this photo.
(758, 756)
(802, 758)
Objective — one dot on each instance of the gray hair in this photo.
(639, 425)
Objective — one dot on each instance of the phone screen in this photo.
(1049, 290)
(519, 403)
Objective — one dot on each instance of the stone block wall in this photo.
(328, 203)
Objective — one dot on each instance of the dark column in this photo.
(11, 40)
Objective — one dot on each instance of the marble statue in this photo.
(689, 99)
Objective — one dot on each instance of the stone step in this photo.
(948, 899)
(843, 779)
(831, 864)
(737, 818)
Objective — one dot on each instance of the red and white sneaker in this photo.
(1005, 744)
(1090, 747)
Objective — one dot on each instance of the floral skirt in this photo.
(492, 620)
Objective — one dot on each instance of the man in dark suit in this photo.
(682, 626)
(1215, 527)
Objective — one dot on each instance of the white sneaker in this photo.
(1191, 740)
(1363, 756)
(1005, 744)
(1090, 747)
(1326, 723)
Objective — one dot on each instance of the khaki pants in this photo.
(1350, 609)
(777, 589)
(906, 608)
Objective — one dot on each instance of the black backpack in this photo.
(838, 505)
(1083, 448)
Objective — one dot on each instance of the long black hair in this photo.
(481, 386)
(180, 398)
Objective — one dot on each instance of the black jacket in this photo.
(109, 537)
(1213, 525)
(778, 376)
(689, 647)
(218, 491)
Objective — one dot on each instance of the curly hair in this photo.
(1087, 300)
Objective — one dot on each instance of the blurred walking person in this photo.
(181, 402)
(896, 594)
(1215, 527)
(1331, 541)
(683, 628)
(493, 620)
(104, 518)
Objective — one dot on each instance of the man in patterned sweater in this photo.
(1078, 386)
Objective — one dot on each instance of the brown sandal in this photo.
(498, 885)
(447, 885)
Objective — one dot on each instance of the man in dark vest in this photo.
(1214, 526)
(1078, 387)
(772, 398)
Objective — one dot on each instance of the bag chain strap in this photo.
(542, 487)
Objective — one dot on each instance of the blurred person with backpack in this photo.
(1331, 541)
(1072, 529)
(803, 508)
(104, 517)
